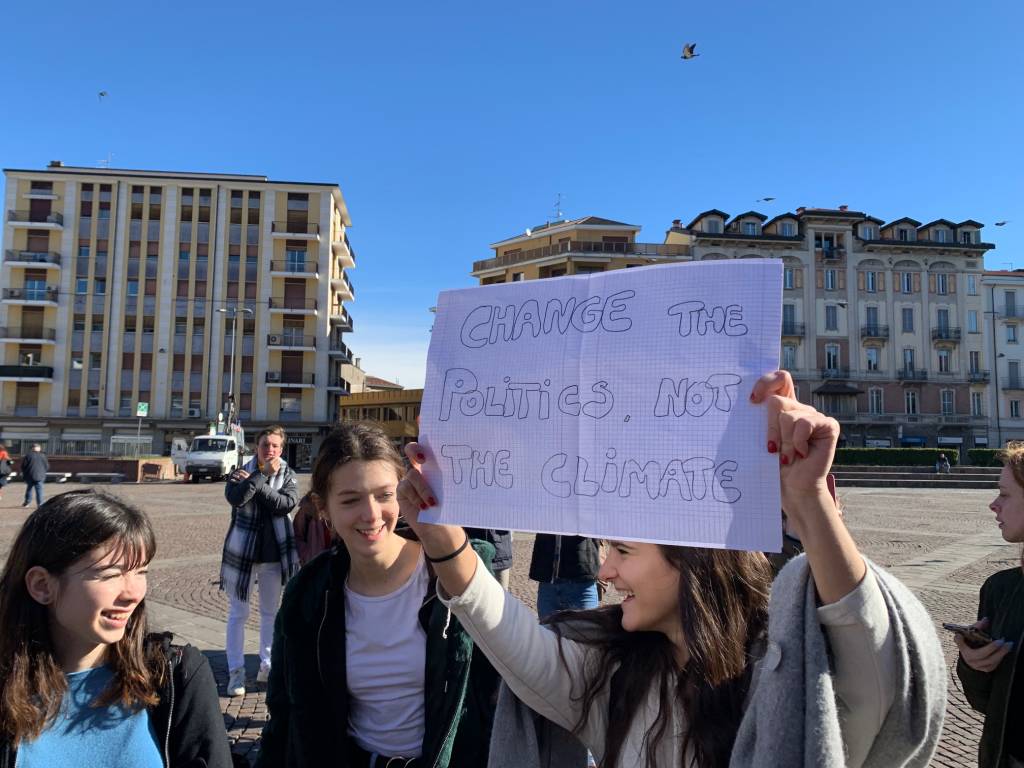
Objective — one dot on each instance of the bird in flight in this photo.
(101, 94)
(1002, 223)
(765, 200)
(688, 51)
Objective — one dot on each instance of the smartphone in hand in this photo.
(974, 637)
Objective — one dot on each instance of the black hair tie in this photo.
(451, 556)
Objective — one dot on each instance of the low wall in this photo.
(162, 467)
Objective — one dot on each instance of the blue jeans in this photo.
(29, 486)
(565, 596)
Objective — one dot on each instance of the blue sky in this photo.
(455, 124)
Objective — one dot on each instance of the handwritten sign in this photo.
(612, 405)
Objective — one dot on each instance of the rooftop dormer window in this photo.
(940, 236)
(967, 237)
(903, 235)
(788, 229)
(712, 226)
(750, 228)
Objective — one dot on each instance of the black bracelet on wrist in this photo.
(446, 558)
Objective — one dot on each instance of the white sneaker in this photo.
(236, 682)
(264, 674)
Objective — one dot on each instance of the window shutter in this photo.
(821, 278)
(951, 284)
(880, 280)
(842, 279)
(798, 277)
(860, 281)
(931, 283)
(917, 282)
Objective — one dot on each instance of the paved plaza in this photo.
(943, 544)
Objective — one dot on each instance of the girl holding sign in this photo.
(697, 667)
(369, 668)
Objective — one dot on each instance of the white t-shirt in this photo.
(386, 657)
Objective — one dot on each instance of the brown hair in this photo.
(273, 429)
(354, 441)
(1012, 456)
(723, 610)
(55, 536)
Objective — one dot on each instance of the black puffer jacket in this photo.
(564, 558)
(502, 541)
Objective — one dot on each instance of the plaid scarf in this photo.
(240, 543)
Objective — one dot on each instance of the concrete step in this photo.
(884, 481)
(927, 470)
(962, 477)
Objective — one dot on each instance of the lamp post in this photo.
(995, 365)
(233, 312)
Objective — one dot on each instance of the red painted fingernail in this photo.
(432, 501)
(772, 447)
(752, 398)
(421, 457)
(802, 456)
(422, 506)
(785, 459)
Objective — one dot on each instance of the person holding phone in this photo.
(990, 649)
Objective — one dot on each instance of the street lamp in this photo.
(233, 312)
(995, 363)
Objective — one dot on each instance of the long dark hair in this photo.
(723, 610)
(55, 536)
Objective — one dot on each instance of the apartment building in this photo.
(1004, 325)
(122, 287)
(882, 322)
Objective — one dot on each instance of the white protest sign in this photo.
(612, 405)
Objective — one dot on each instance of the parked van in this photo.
(214, 456)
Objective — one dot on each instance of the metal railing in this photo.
(31, 217)
(290, 340)
(793, 329)
(338, 382)
(288, 377)
(340, 347)
(296, 267)
(945, 334)
(573, 247)
(47, 334)
(33, 257)
(341, 316)
(911, 374)
(294, 228)
(284, 302)
(978, 377)
(27, 371)
(1013, 383)
(31, 294)
(871, 331)
(842, 372)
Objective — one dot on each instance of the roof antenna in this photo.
(558, 207)
(105, 163)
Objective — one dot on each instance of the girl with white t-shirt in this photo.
(369, 668)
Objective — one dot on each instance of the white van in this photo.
(212, 456)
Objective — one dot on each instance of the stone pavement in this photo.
(943, 544)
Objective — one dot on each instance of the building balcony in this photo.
(20, 410)
(339, 384)
(31, 296)
(833, 253)
(1010, 313)
(26, 373)
(835, 373)
(290, 379)
(295, 269)
(793, 330)
(586, 248)
(340, 349)
(295, 230)
(978, 377)
(33, 220)
(341, 318)
(876, 332)
(1013, 385)
(34, 259)
(293, 306)
(911, 374)
(841, 412)
(343, 285)
(946, 334)
(295, 341)
(24, 335)
(342, 247)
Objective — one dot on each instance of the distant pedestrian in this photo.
(312, 532)
(259, 546)
(34, 467)
(6, 467)
(942, 464)
(565, 569)
(502, 541)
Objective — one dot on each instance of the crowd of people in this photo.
(386, 641)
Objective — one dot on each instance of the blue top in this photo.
(84, 736)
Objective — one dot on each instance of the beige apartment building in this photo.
(883, 323)
(122, 287)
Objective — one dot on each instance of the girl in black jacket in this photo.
(81, 684)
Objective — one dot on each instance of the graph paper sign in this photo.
(612, 405)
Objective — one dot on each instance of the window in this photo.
(972, 285)
(943, 361)
(713, 226)
(903, 234)
(977, 404)
(789, 357)
(941, 235)
(831, 317)
(1010, 303)
(967, 237)
(78, 324)
(908, 359)
(906, 282)
(870, 283)
(875, 401)
(787, 278)
(749, 228)
(83, 251)
(830, 279)
(788, 229)
(948, 406)
(1015, 409)
(942, 284)
(295, 260)
(972, 321)
(908, 319)
(872, 357)
(81, 286)
(832, 356)
(95, 361)
(100, 287)
(871, 318)
(942, 316)
(133, 287)
(975, 361)
(1011, 334)
(910, 402)
(517, 277)
(92, 400)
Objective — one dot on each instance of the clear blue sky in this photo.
(451, 125)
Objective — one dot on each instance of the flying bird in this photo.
(688, 51)
(1002, 223)
(101, 94)
(765, 200)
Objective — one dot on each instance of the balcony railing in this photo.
(296, 267)
(287, 302)
(574, 247)
(31, 294)
(793, 329)
(1010, 313)
(290, 340)
(31, 217)
(911, 374)
(835, 373)
(344, 278)
(341, 316)
(294, 228)
(289, 377)
(945, 334)
(47, 334)
(32, 257)
(27, 371)
(830, 253)
(978, 377)
(337, 382)
(1013, 383)
(874, 331)
(340, 348)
